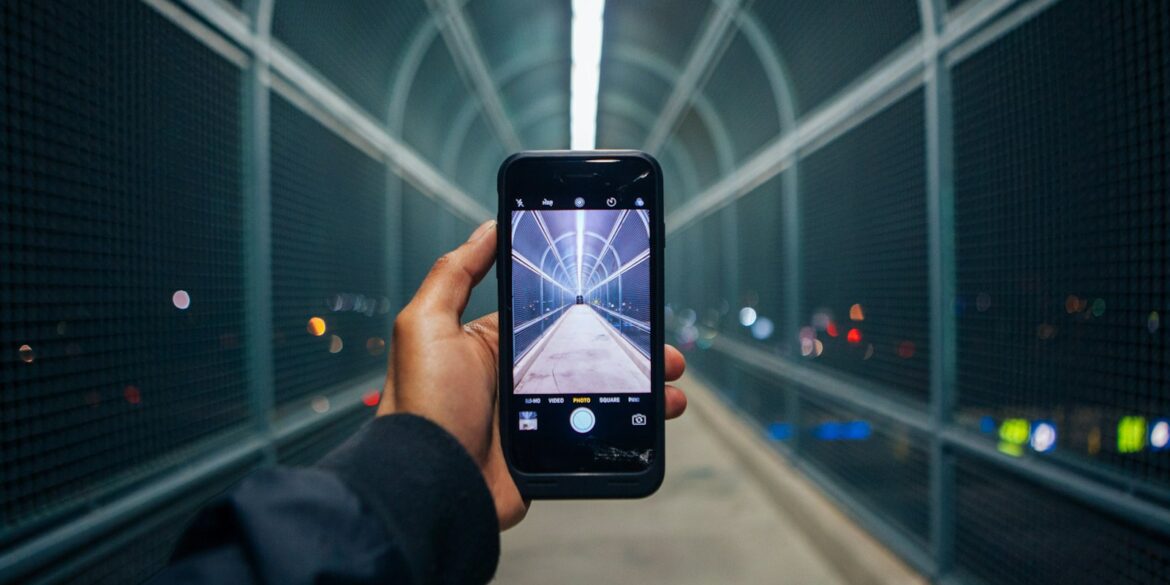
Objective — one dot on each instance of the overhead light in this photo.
(580, 249)
(586, 73)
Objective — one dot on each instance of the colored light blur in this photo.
(778, 431)
(987, 424)
(831, 329)
(316, 327)
(1043, 438)
(1013, 435)
(1131, 434)
(1098, 307)
(320, 405)
(983, 302)
(854, 336)
(747, 316)
(868, 351)
(906, 350)
(132, 395)
(1153, 322)
(1074, 304)
(27, 355)
(857, 430)
(1045, 331)
(181, 300)
(763, 328)
(856, 313)
(375, 346)
(335, 344)
(1160, 435)
(371, 398)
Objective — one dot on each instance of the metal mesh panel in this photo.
(880, 465)
(695, 136)
(357, 44)
(120, 230)
(863, 242)
(1013, 532)
(308, 449)
(737, 80)
(764, 400)
(826, 45)
(1062, 231)
(436, 95)
(330, 308)
(761, 272)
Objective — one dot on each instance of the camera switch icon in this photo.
(638, 420)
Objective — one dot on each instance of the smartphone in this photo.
(581, 346)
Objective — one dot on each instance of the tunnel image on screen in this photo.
(581, 301)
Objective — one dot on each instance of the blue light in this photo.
(779, 431)
(857, 430)
(987, 425)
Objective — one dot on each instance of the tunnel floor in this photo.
(582, 353)
(711, 522)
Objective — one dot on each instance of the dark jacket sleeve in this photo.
(400, 502)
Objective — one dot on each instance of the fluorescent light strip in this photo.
(588, 22)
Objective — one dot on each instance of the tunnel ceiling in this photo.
(769, 63)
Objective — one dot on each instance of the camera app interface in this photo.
(581, 333)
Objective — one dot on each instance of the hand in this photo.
(448, 372)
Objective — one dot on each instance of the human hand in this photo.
(448, 373)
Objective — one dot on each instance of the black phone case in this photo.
(583, 485)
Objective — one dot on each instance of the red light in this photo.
(906, 350)
(132, 394)
(854, 335)
(831, 329)
(371, 398)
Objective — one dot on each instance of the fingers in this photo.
(676, 364)
(449, 283)
(676, 402)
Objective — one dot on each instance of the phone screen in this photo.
(581, 328)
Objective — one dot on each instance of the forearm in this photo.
(401, 502)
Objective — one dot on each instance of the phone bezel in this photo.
(588, 484)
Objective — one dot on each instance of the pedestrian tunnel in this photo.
(581, 296)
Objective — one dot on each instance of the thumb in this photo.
(448, 285)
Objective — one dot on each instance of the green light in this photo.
(1131, 434)
(1014, 431)
(1012, 449)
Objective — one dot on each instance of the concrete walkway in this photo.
(582, 355)
(711, 523)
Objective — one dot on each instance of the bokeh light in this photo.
(1160, 435)
(1131, 434)
(375, 345)
(763, 328)
(335, 344)
(371, 398)
(181, 300)
(132, 394)
(316, 327)
(27, 355)
(905, 350)
(747, 316)
(856, 313)
(320, 405)
(831, 329)
(1153, 322)
(854, 336)
(983, 302)
(1043, 437)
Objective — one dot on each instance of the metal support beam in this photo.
(941, 261)
(469, 59)
(257, 195)
(706, 52)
